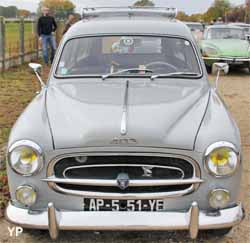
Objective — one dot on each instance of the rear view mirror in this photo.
(219, 67)
(37, 68)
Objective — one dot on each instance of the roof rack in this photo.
(129, 11)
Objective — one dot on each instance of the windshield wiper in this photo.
(175, 74)
(131, 70)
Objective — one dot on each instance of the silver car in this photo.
(126, 136)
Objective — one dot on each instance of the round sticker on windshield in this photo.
(128, 41)
(187, 43)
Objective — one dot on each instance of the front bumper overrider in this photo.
(192, 220)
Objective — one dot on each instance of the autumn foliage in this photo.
(59, 8)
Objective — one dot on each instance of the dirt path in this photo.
(235, 89)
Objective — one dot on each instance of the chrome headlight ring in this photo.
(33, 147)
(234, 162)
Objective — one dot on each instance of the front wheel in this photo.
(209, 69)
(216, 232)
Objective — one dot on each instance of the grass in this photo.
(12, 37)
(17, 88)
(12, 32)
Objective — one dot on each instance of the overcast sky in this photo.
(190, 6)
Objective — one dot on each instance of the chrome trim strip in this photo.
(128, 221)
(121, 196)
(124, 165)
(113, 183)
(55, 187)
(243, 59)
(124, 111)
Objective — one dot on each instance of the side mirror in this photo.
(219, 67)
(248, 37)
(37, 68)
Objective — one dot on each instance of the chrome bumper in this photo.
(192, 220)
(230, 59)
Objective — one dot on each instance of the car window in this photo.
(225, 33)
(194, 27)
(109, 54)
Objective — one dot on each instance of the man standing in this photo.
(69, 23)
(47, 25)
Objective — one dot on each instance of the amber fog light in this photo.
(219, 198)
(26, 195)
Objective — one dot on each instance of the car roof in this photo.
(223, 26)
(193, 23)
(129, 25)
(240, 24)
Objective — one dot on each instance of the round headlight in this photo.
(26, 195)
(25, 158)
(222, 159)
(210, 51)
(219, 198)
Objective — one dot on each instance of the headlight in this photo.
(222, 159)
(26, 195)
(219, 198)
(210, 51)
(25, 157)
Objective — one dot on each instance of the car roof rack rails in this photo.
(129, 11)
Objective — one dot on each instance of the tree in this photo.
(24, 13)
(142, 3)
(182, 16)
(9, 12)
(220, 8)
(60, 8)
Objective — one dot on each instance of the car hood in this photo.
(229, 47)
(86, 114)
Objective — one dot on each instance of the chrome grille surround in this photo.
(195, 181)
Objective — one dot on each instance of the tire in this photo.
(216, 232)
(209, 69)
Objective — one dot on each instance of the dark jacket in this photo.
(46, 25)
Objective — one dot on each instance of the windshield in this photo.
(111, 54)
(225, 33)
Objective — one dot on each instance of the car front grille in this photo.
(103, 176)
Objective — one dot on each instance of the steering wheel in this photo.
(161, 66)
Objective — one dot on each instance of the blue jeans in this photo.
(48, 40)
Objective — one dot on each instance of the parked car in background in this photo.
(225, 43)
(197, 29)
(125, 136)
(245, 26)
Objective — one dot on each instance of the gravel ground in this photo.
(235, 89)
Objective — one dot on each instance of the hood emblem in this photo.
(147, 171)
(122, 181)
(124, 141)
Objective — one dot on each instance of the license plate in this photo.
(92, 204)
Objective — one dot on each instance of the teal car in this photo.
(226, 43)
